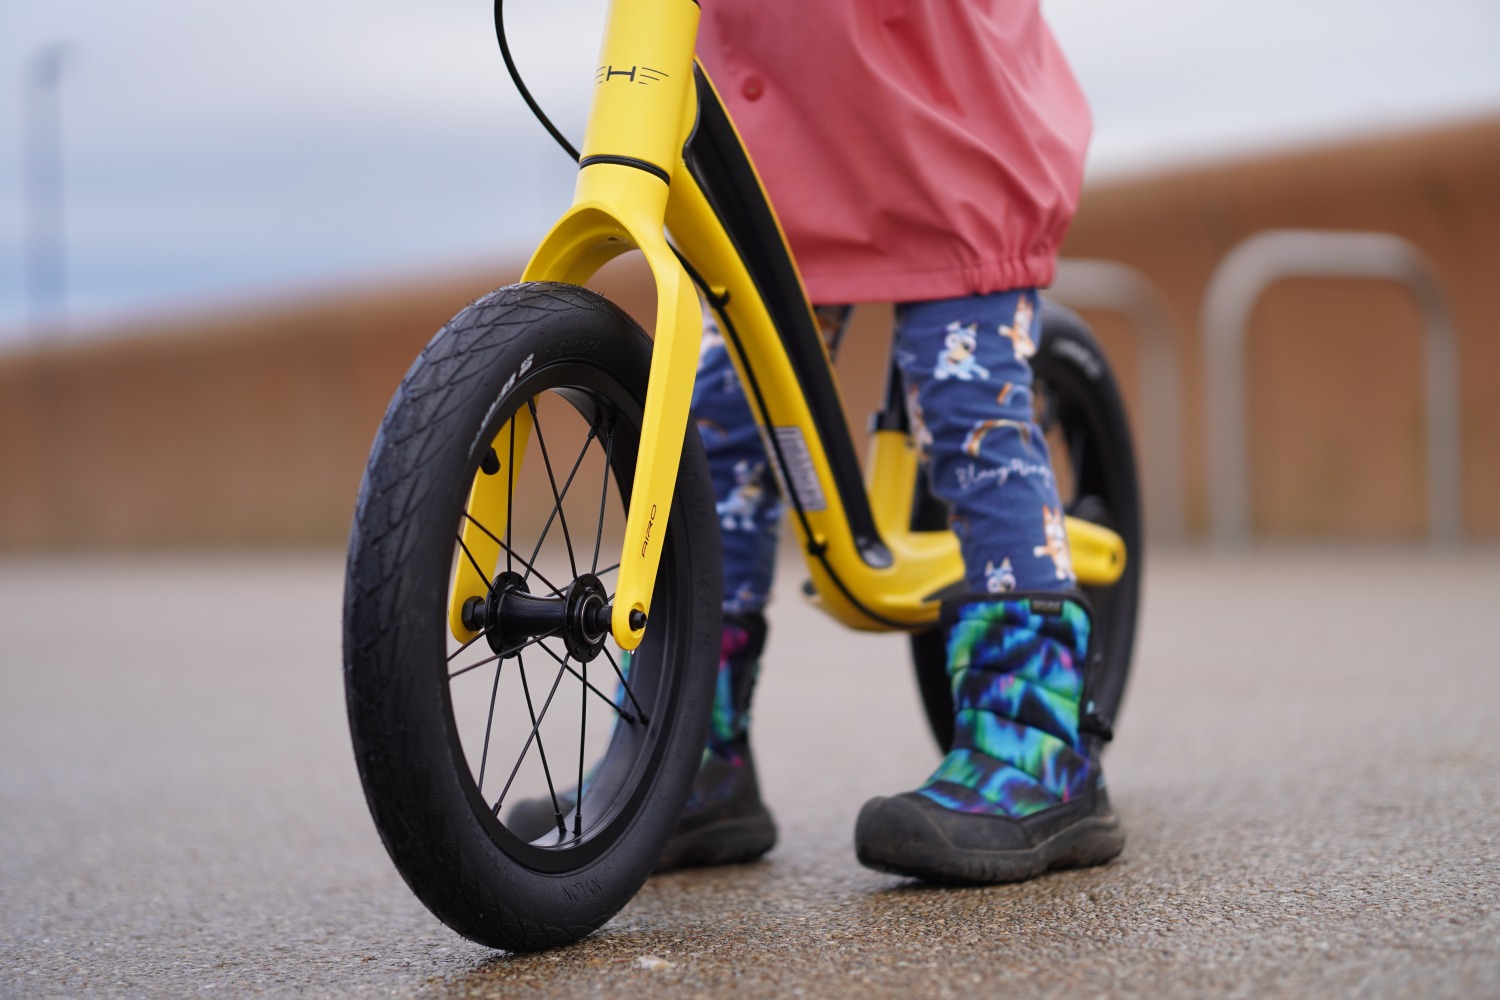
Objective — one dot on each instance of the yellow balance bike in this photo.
(532, 606)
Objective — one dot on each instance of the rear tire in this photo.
(1083, 417)
(445, 733)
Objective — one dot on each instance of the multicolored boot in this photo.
(725, 822)
(1021, 791)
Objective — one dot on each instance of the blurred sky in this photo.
(220, 152)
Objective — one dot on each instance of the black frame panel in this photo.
(718, 162)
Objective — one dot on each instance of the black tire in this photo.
(417, 697)
(1081, 411)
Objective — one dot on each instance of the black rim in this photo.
(1100, 490)
(538, 709)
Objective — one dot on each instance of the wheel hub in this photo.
(511, 617)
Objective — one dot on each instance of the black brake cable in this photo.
(515, 76)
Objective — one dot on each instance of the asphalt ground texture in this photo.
(1308, 765)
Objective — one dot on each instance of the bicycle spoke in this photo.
(583, 728)
(491, 659)
(466, 645)
(535, 735)
(510, 508)
(562, 517)
(625, 684)
(585, 681)
(529, 567)
(557, 507)
(609, 450)
(489, 723)
(489, 588)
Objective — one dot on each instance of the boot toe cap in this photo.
(912, 835)
(909, 834)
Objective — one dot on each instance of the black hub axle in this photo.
(511, 616)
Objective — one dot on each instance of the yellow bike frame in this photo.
(660, 153)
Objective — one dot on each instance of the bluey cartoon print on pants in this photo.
(964, 362)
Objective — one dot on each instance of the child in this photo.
(930, 154)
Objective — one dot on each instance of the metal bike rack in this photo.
(1108, 286)
(1237, 284)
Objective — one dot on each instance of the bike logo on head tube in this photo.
(635, 74)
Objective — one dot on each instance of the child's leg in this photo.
(964, 363)
(744, 485)
(749, 505)
(725, 820)
(1020, 791)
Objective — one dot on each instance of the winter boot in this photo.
(1020, 792)
(724, 821)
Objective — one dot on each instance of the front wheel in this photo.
(478, 665)
(1079, 410)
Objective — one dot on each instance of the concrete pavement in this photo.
(1308, 764)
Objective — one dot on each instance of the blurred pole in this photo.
(1236, 285)
(1110, 286)
(42, 180)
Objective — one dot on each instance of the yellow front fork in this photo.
(642, 107)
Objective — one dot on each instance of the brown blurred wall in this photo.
(235, 430)
(1333, 367)
(248, 428)
(251, 428)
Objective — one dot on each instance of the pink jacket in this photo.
(914, 149)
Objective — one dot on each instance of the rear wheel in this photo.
(479, 667)
(1079, 409)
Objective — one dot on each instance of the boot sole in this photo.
(722, 842)
(1090, 841)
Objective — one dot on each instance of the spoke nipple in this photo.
(562, 824)
(637, 620)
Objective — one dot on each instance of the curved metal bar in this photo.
(1108, 286)
(1237, 284)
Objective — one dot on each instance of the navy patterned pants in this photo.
(968, 390)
